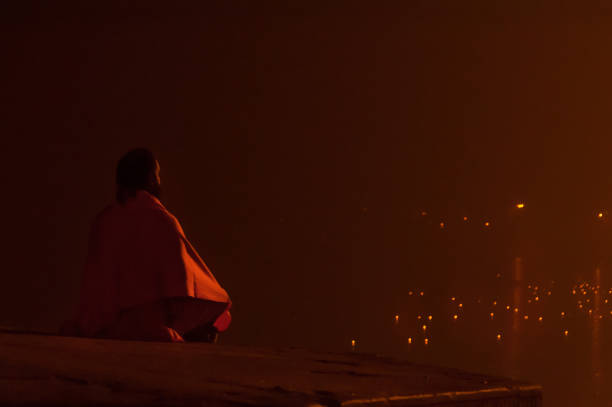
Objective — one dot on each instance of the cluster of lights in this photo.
(487, 223)
(536, 295)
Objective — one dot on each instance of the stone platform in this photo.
(44, 370)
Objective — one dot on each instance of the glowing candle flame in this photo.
(540, 319)
(424, 327)
(455, 316)
(499, 337)
(565, 332)
(410, 340)
(520, 205)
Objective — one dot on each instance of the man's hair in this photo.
(136, 171)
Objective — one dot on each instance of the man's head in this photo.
(137, 170)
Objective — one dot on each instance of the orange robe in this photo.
(139, 255)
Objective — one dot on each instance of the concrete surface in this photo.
(64, 371)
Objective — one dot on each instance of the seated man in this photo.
(143, 280)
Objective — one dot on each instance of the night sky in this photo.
(300, 142)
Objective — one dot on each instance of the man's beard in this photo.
(155, 190)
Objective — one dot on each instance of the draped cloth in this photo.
(143, 279)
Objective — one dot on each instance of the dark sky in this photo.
(299, 142)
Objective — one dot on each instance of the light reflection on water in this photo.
(556, 341)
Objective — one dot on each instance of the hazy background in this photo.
(299, 143)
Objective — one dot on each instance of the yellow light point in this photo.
(515, 310)
(353, 343)
(606, 301)
(540, 319)
(526, 317)
(580, 306)
(573, 292)
(562, 314)
(426, 341)
(441, 225)
(507, 307)
(453, 299)
(418, 317)
(430, 317)
(590, 311)
(409, 340)
(460, 305)
(455, 316)
(566, 332)
(494, 303)
(537, 298)
(520, 205)
(492, 315)
(499, 337)
(487, 224)
(424, 327)
(600, 215)
(396, 318)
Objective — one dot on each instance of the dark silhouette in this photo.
(143, 279)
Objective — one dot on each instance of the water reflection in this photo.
(536, 331)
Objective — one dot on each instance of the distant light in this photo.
(452, 298)
(520, 205)
(537, 298)
(426, 341)
(396, 318)
(430, 317)
(507, 307)
(424, 327)
(492, 314)
(353, 343)
(418, 317)
(423, 213)
(465, 218)
(516, 309)
(526, 317)
(421, 293)
(566, 332)
(600, 215)
(409, 292)
(563, 314)
(460, 305)
(487, 224)
(499, 337)
(410, 340)
(455, 316)
(441, 225)
(540, 319)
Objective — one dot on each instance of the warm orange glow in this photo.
(515, 309)
(563, 314)
(460, 305)
(600, 215)
(421, 293)
(465, 218)
(492, 314)
(409, 292)
(540, 319)
(423, 213)
(409, 340)
(418, 317)
(565, 332)
(426, 341)
(396, 318)
(430, 317)
(499, 337)
(487, 224)
(455, 316)
(353, 343)
(453, 299)
(507, 307)
(441, 225)
(520, 205)
(537, 298)
(526, 317)
(424, 327)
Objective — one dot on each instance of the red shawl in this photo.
(138, 254)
